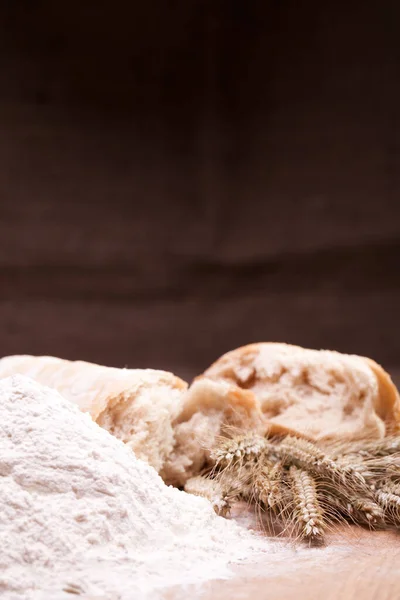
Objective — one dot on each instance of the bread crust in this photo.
(94, 388)
(388, 404)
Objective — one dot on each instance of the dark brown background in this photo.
(179, 178)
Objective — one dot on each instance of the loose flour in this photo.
(81, 515)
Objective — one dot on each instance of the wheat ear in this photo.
(370, 448)
(388, 497)
(367, 512)
(268, 485)
(238, 449)
(307, 512)
(335, 509)
(310, 457)
(212, 490)
(360, 507)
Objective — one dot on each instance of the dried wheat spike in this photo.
(354, 461)
(390, 486)
(389, 445)
(360, 508)
(236, 480)
(212, 490)
(388, 497)
(241, 448)
(310, 457)
(369, 471)
(334, 506)
(369, 448)
(268, 484)
(388, 466)
(236, 461)
(375, 470)
(367, 512)
(307, 511)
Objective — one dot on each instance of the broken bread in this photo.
(319, 393)
(169, 426)
(211, 409)
(136, 405)
(207, 408)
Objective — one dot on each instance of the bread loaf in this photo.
(207, 408)
(136, 405)
(322, 394)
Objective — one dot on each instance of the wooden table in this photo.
(355, 564)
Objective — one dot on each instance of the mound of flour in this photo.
(81, 515)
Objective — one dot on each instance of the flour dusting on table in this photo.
(81, 516)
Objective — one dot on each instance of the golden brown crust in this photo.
(244, 354)
(388, 406)
(276, 430)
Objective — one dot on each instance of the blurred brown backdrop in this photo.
(179, 178)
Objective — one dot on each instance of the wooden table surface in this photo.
(355, 564)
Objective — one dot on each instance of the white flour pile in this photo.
(81, 515)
